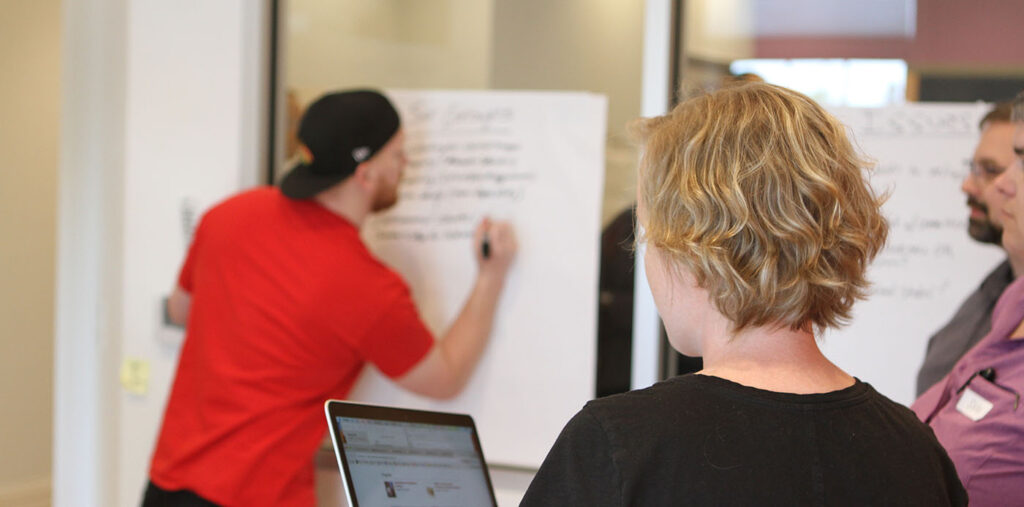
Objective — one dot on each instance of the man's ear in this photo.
(365, 175)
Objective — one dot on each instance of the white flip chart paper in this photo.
(930, 265)
(535, 159)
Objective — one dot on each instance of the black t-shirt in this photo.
(702, 440)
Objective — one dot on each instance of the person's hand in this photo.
(498, 240)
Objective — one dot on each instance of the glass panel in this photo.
(834, 81)
(944, 58)
(586, 45)
(861, 54)
(591, 45)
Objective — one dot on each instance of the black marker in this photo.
(485, 246)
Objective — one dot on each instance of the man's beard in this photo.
(982, 229)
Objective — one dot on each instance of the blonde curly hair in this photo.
(759, 193)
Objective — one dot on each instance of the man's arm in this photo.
(444, 371)
(178, 305)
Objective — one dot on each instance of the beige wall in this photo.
(332, 44)
(719, 30)
(29, 125)
(591, 45)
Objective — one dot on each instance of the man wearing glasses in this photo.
(972, 320)
(976, 410)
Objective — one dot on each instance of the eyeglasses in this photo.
(984, 171)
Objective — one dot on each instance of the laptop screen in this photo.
(389, 462)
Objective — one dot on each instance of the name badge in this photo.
(973, 405)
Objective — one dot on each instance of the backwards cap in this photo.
(338, 132)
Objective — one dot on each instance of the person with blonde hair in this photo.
(759, 224)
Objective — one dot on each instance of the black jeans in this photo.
(158, 497)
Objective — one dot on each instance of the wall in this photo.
(185, 124)
(976, 33)
(164, 114)
(88, 251)
(29, 108)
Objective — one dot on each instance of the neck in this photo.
(1018, 333)
(1016, 265)
(774, 359)
(346, 201)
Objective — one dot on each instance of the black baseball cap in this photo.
(339, 131)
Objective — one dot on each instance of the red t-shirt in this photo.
(287, 306)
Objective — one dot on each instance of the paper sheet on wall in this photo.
(535, 159)
(930, 264)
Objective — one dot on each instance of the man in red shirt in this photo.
(284, 306)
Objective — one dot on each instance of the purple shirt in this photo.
(989, 452)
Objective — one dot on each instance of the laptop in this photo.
(402, 457)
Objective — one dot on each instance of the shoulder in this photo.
(580, 469)
(684, 407)
(895, 412)
(884, 420)
(241, 204)
(390, 284)
(877, 405)
(252, 196)
(671, 391)
(1009, 309)
(681, 394)
(680, 404)
(359, 267)
(893, 440)
(637, 418)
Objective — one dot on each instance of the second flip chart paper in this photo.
(930, 264)
(535, 159)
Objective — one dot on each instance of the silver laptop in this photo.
(401, 457)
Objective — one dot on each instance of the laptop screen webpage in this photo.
(396, 463)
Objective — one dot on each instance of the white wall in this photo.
(184, 129)
(184, 105)
(29, 125)
(88, 254)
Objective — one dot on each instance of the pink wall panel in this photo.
(831, 47)
(949, 32)
(975, 31)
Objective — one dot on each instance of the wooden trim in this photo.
(913, 86)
